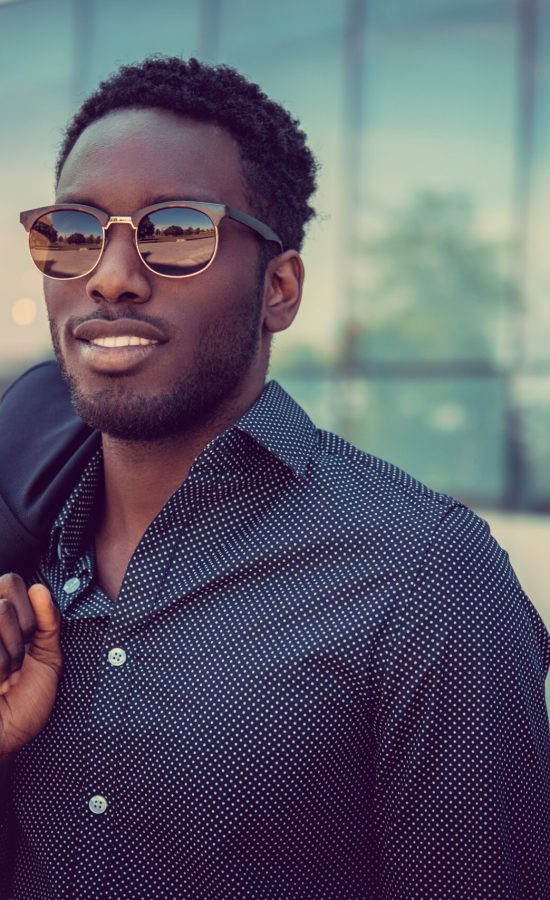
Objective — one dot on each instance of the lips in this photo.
(118, 346)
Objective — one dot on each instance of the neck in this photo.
(140, 476)
(139, 479)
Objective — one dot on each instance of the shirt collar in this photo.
(278, 424)
(275, 423)
(71, 526)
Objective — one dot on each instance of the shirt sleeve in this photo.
(463, 759)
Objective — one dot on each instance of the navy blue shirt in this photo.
(320, 679)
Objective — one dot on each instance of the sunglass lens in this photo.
(176, 240)
(66, 244)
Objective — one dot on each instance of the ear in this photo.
(284, 278)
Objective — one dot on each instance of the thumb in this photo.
(45, 645)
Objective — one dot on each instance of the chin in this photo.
(129, 415)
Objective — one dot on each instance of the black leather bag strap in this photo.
(44, 447)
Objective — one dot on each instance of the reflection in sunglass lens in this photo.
(66, 244)
(176, 240)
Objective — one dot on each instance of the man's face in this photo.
(207, 330)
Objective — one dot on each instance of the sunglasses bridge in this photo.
(119, 220)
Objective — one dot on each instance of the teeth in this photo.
(129, 340)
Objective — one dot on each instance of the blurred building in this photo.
(425, 330)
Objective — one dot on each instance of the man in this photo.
(286, 669)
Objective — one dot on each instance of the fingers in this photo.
(45, 644)
(12, 646)
(42, 606)
(17, 624)
(13, 588)
(27, 619)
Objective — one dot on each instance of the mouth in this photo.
(117, 347)
(125, 340)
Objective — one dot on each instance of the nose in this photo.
(120, 274)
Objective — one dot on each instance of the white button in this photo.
(117, 656)
(98, 804)
(71, 585)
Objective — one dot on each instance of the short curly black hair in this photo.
(278, 167)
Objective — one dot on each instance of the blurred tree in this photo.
(437, 292)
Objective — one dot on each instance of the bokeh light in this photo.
(23, 311)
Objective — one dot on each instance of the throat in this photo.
(112, 560)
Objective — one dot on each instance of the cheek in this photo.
(54, 295)
(237, 263)
(64, 300)
(232, 286)
(59, 308)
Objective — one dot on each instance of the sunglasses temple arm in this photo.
(255, 224)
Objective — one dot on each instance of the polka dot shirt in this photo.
(320, 680)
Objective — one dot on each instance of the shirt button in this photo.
(71, 585)
(117, 656)
(98, 804)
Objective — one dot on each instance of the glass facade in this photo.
(425, 329)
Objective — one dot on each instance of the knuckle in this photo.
(6, 608)
(11, 583)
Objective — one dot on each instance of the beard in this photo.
(220, 362)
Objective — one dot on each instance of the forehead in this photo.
(133, 156)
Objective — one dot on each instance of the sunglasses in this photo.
(176, 239)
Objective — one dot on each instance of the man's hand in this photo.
(30, 661)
